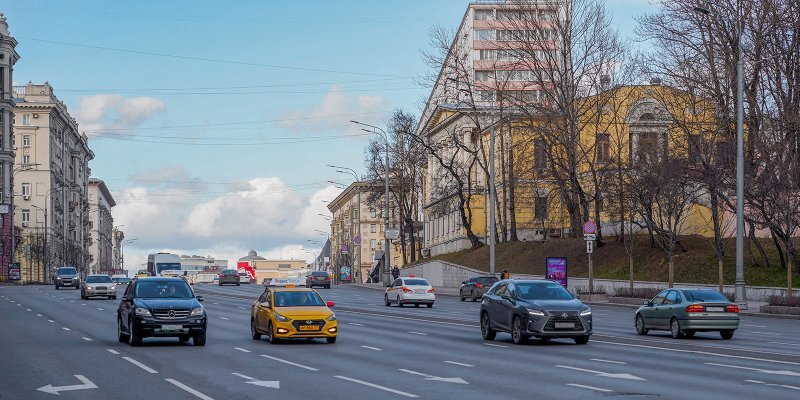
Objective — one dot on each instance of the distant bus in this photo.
(164, 264)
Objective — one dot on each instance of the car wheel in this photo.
(689, 333)
(416, 305)
(675, 329)
(474, 298)
(331, 340)
(581, 340)
(640, 329)
(238, 284)
(386, 300)
(135, 339)
(57, 287)
(184, 338)
(272, 338)
(199, 340)
(516, 332)
(486, 331)
(430, 305)
(726, 335)
(399, 303)
(461, 295)
(122, 336)
(253, 331)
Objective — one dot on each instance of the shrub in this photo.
(640, 293)
(585, 290)
(794, 301)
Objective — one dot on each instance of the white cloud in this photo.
(101, 112)
(334, 113)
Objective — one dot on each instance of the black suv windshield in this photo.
(297, 299)
(704, 295)
(164, 290)
(98, 279)
(542, 291)
(67, 271)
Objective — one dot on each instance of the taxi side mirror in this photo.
(330, 304)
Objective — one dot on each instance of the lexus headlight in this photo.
(143, 312)
(331, 317)
(537, 313)
(280, 318)
(586, 311)
(196, 312)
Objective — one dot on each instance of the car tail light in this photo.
(430, 290)
(406, 290)
(733, 309)
(695, 308)
(478, 285)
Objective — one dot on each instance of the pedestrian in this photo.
(395, 272)
(505, 274)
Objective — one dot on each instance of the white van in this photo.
(164, 264)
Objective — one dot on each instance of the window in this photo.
(26, 140)
(26, 189)
(603, 143)
(540, 208)
(508, 16)
(26, 216)
(648, 148)
(487, 55)
(671, 298)
(26, 159)
(540, 155)
(26, 119)
(695, 146)
(483, 76)
(484, 34)
(372, 212)
(372, 228)
(659, 299)
(485, 95)
(483, 15)
(372, 243)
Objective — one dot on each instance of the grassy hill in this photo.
(697, 264)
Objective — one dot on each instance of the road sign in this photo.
(587, 236)
(357, 240)
(345, 250)
(589, 227)
(5, 208)
(589, 246)
(392, 233)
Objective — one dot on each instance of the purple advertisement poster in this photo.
(557, 270)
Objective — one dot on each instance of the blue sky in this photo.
(278, 80)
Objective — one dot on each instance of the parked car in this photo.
(414, 291)
(67, 276)
(534, 308)
(683, 312)
(161, 307)
(120, 279)
(475, 287)
(98, 285)
(318, 278)
(229, 277)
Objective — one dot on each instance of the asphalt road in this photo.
(53, 338)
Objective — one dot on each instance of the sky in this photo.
(212, 122)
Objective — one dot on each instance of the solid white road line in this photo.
(371, 348)
(458, 363)
(289, 362)
(241, 349)
(112, 351)
(597, 389)
(785, 344)
(608, 361)
(140, 365)
(188, 389)
(494, 345)
(772, 384)
(65, 328)
(418, 333)
(754, 326)
(354, 324)
(372, 385)
(765, 371)
(86, 339)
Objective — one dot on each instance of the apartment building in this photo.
(8, 57)
(51, 179)
(101, 228)
(117, 236)
(197, 264)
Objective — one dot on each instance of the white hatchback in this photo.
(414, 291)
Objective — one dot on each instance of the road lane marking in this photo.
(72, 301)
(65, 328)
(766, 333)
(28, 309)
(85, 384)
(189, 390)
(50, 320)
(785, 344)
(242, 350)
(754, 326)
(458, 363)
(99, 308)
(418, 333)
(140, 365)
(429, 377)
(86, 339)
(597, 389)
(354, 324)
(242, 376)
(608, 361)
(112, 351)
(763, 371)
(289, 362)
(495, 345)
(707, 353)
(772, 384)
(83, 304)
(374, 386)
(19, 304)
(38, 315)
(372, 348)
(225, 318)
(604, 374)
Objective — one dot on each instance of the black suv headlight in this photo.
(143, 312)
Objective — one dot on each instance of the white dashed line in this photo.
(754, 326)
(494, 345)
(418, 333)
(28, 309)
(597, 389)
(458, 363)
(242, 350)
(225, 318)
(19, 304)
(188, 389)
(140, 365)
(38, 315)
(65, 328)
(772, 384)
(372, 385)
(50, 320)
(86, 339)
(72, 301)
(83, 304)
(608, 361)
(289, 362)
(99, 308)
(354, 324)
(785, 344)
(372, 348)
(112, 351)
(767, 333)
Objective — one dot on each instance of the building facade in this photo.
(279, 269)
(117, 236)
(198, 264)
(52, 177)
(8, 57)
(101, 228)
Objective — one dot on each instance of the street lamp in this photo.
(386, 259)
(122, 252)
(345, 170)
(740, 290)
(325, 216)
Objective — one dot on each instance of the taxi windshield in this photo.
(298, 299)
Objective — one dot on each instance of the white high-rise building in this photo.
(101, 227)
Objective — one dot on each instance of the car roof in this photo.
(290, 289)
(160, 279)
(529, 280)
(98, 275)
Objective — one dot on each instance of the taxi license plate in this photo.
(565, 325)
(171, 327)
(308, 327)
(715, 309)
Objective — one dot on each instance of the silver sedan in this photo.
(98, 285)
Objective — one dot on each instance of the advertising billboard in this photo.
(556, 269)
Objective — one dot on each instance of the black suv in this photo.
(475, 287)
(67, 276)
(161, 307)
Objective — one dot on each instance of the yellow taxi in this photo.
(142, 273)
(288, 311)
